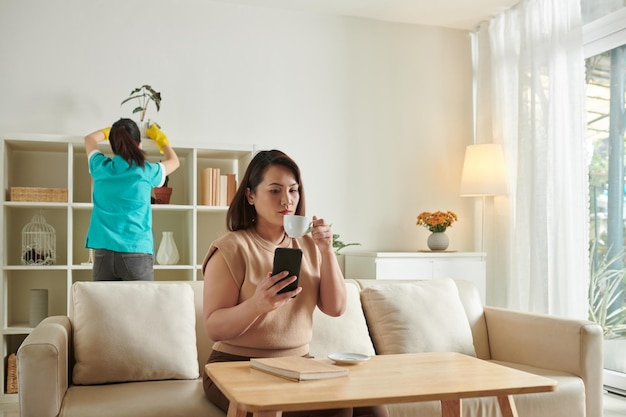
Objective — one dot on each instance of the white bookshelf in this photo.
(60, 161)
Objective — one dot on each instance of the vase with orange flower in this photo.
(437, 222)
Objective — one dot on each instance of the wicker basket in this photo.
(12, 374)
(38, 194)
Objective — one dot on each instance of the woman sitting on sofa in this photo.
(243, 311)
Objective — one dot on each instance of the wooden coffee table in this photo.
(385, 379)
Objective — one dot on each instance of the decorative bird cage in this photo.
(39, 242)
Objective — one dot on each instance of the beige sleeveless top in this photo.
(288, 329)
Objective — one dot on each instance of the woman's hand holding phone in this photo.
(287, 259)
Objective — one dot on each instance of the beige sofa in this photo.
(143, 355)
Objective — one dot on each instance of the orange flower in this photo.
(438, 221)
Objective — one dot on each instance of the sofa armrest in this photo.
(549, 342)
(42, 361)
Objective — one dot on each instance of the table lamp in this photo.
(484, 174)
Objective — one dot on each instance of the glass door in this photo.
(606, 125)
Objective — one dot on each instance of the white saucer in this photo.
(348, 358)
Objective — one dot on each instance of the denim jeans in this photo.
(122, 266)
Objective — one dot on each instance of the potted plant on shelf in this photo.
(163, 194)
(144, 95)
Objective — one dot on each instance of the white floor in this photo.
(614, 406)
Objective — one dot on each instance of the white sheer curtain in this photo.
(539, 232)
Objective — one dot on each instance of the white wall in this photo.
(377, 114)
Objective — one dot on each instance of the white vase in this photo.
(142, 129)
(438, 241)
(38, 306)
(168, 252)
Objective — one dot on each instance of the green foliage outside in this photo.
(606, 291)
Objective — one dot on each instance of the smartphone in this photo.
(288, 259)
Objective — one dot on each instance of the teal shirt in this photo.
(121, 219)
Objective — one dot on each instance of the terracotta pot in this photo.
(162, 195)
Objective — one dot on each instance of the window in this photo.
(605, 47)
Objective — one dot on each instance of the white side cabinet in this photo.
(60, 161)
(469, 266)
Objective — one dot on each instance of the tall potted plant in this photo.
(144, 95)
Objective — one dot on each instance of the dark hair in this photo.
(125, 139)
(242, 215)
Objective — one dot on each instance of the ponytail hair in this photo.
(125, 139)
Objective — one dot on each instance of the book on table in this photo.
(298, 368)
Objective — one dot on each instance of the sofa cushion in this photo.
(346, 333)
(133, 331)
(144, 399)
(425, 316)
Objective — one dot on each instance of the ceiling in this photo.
(457, 14)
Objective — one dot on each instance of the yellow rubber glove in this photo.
(106, 131)
(154, 133)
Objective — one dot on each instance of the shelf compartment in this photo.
(211, 225)
(19, 283)
(178, 221)
(16, 217)
(21, 159)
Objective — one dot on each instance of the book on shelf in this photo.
(223, 187)
(298, 368)
(231, 187)
(216, 189)
(206, 186)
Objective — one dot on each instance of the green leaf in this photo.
(144, 94)
(338, 245)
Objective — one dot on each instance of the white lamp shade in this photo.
(483, 171)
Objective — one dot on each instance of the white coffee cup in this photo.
(296, 225)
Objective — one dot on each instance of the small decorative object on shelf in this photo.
(38, 306)
(39, 242)
(168, 252)
(90, 259)
(437, 223)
